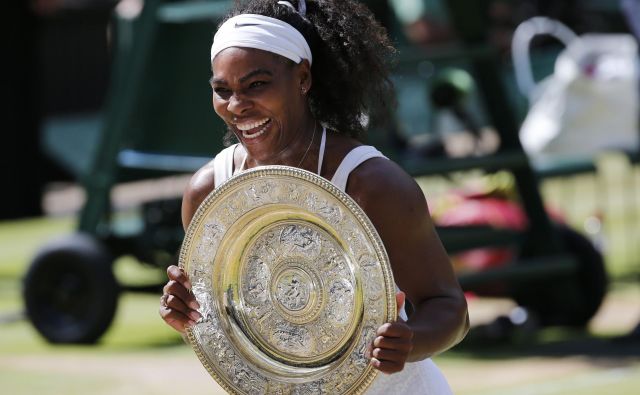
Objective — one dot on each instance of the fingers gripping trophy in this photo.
(303, 244)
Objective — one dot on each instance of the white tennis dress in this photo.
(417, 378)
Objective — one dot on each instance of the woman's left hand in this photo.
(393, 343)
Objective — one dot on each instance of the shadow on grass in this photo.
(499, 340)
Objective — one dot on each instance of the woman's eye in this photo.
(222, 92)
(257, 84)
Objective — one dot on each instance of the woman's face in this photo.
(258, 95)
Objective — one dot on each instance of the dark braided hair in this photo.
(351, 59)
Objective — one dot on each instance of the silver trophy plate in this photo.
(292, 281)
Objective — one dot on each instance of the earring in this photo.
(303, 91)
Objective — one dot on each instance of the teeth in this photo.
(251, 125)
(253, 135)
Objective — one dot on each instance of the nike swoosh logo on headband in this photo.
(246, 24)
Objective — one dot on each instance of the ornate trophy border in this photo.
(313, 181)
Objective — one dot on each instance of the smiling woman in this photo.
(294, 81)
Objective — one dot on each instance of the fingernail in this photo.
(194, 315)
(194, 305)
(188, 285)
(192, 323)
(375, 362)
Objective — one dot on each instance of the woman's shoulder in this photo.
(382, 179)
(389, 196)
(204, 180)
(375, 174)
(199, 186)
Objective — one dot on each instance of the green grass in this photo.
(17, 381)
(611, 381)
(137, 326)
(20, 240)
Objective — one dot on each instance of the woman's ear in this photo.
(304, 76)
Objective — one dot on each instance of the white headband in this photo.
(261, 32)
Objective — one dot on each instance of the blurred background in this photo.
(518, 118)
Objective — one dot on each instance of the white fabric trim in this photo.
(323, 143)
(223, 165)
(352, 160)
(261, 32)
(242, 165)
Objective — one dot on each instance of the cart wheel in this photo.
(572, 301)
(70, 291)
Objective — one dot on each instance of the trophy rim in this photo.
(368, 374)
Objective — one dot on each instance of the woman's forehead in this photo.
(236, 60)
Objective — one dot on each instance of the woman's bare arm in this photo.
(398, 209)
(200, 185)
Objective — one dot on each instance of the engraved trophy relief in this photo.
(293, 288)
(329, 211)
(256, 290)
(212, 232)
(341, 301)
(293, 339)
(297, 239)
(261, 191)
(200, 291)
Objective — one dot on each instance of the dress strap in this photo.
(352, 160)
(223, 165)
(323, 143)
(242, 165)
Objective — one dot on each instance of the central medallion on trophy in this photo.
(293, 288)
(296, 292)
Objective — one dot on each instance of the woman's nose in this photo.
(238, 104)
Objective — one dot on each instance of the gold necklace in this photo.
(313, 136)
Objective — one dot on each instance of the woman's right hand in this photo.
(178, 306)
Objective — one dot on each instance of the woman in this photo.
(292, 82)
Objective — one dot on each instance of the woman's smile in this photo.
(253, 129)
